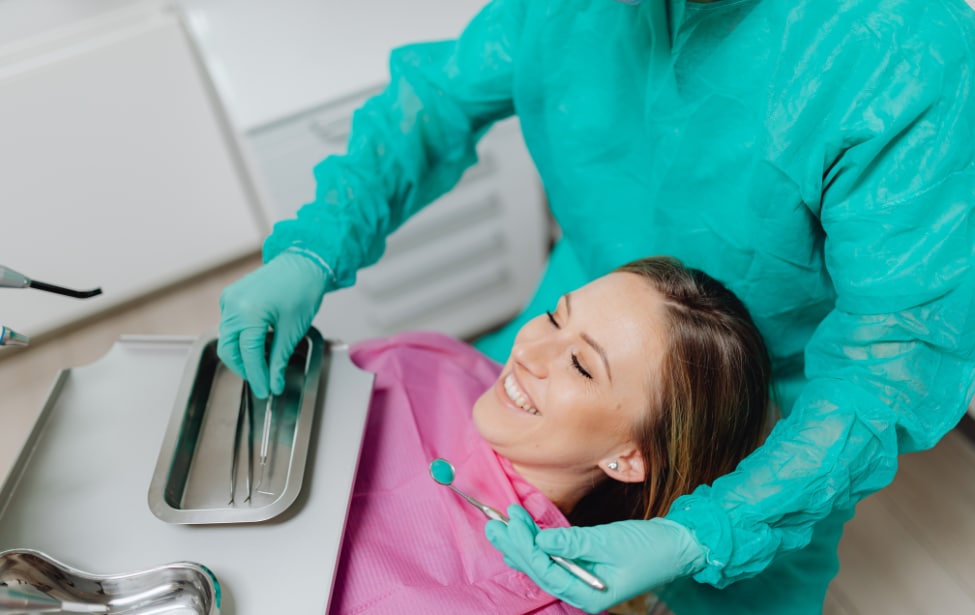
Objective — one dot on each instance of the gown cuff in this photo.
(330, 277)
(712, 528)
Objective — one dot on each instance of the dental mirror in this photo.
(442, 471)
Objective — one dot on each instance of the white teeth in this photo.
(515, 395)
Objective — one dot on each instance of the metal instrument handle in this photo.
(9, 337)
(11, 279)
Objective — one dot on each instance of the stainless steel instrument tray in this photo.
(183, 588)
(193, 472)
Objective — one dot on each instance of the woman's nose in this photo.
(534, 356)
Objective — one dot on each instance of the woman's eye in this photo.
(551, 319)
(580, 368)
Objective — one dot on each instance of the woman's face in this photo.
(579, 380)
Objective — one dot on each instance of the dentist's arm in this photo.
(408, 145)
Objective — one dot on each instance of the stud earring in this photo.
(613, 465)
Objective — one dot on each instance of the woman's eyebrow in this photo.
(595, 345)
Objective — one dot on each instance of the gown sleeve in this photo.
(408, 145)
(892, 367)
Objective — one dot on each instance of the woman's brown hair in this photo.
(711, 408)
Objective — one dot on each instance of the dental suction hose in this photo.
(13, 279)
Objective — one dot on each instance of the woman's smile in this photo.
(514, 394)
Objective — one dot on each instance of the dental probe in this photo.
(265, 441)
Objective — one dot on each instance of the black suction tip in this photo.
(60, 290)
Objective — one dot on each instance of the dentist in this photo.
(816, 156)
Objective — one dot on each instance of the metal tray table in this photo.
(78, 490)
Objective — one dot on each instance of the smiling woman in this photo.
(575, 388)
(653, 377)
(637, 388)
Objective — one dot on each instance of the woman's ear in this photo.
(626, 467)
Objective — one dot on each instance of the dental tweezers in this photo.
(245, 414)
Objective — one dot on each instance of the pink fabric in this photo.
(411, 545)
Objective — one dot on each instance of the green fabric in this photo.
(794, 584)
(814, 155)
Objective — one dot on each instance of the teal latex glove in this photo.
(631, 557)
(283, 295)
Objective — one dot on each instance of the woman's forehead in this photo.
(626, 315)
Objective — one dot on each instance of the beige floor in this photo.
(909, 550)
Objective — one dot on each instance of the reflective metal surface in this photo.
(9, 337)
(182, 588)
(202, 446)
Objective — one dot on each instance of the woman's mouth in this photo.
(517, 396)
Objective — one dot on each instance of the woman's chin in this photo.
(498, 423)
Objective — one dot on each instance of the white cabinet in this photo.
(115, 168)
(466, 263)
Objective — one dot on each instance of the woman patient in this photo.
(632, 391)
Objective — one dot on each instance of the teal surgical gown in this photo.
(814, 155)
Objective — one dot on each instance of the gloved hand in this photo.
(631, 557)
(284, 294)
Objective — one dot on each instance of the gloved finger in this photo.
(557, 581)
(252, 341)
(522, 531)
(497, 535)
(564, 585)
(573, 542)
(228, 349)
(516, 541)
(283, 346)
(228, 346)
(518, 512)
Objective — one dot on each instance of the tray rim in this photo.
(299, 453)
